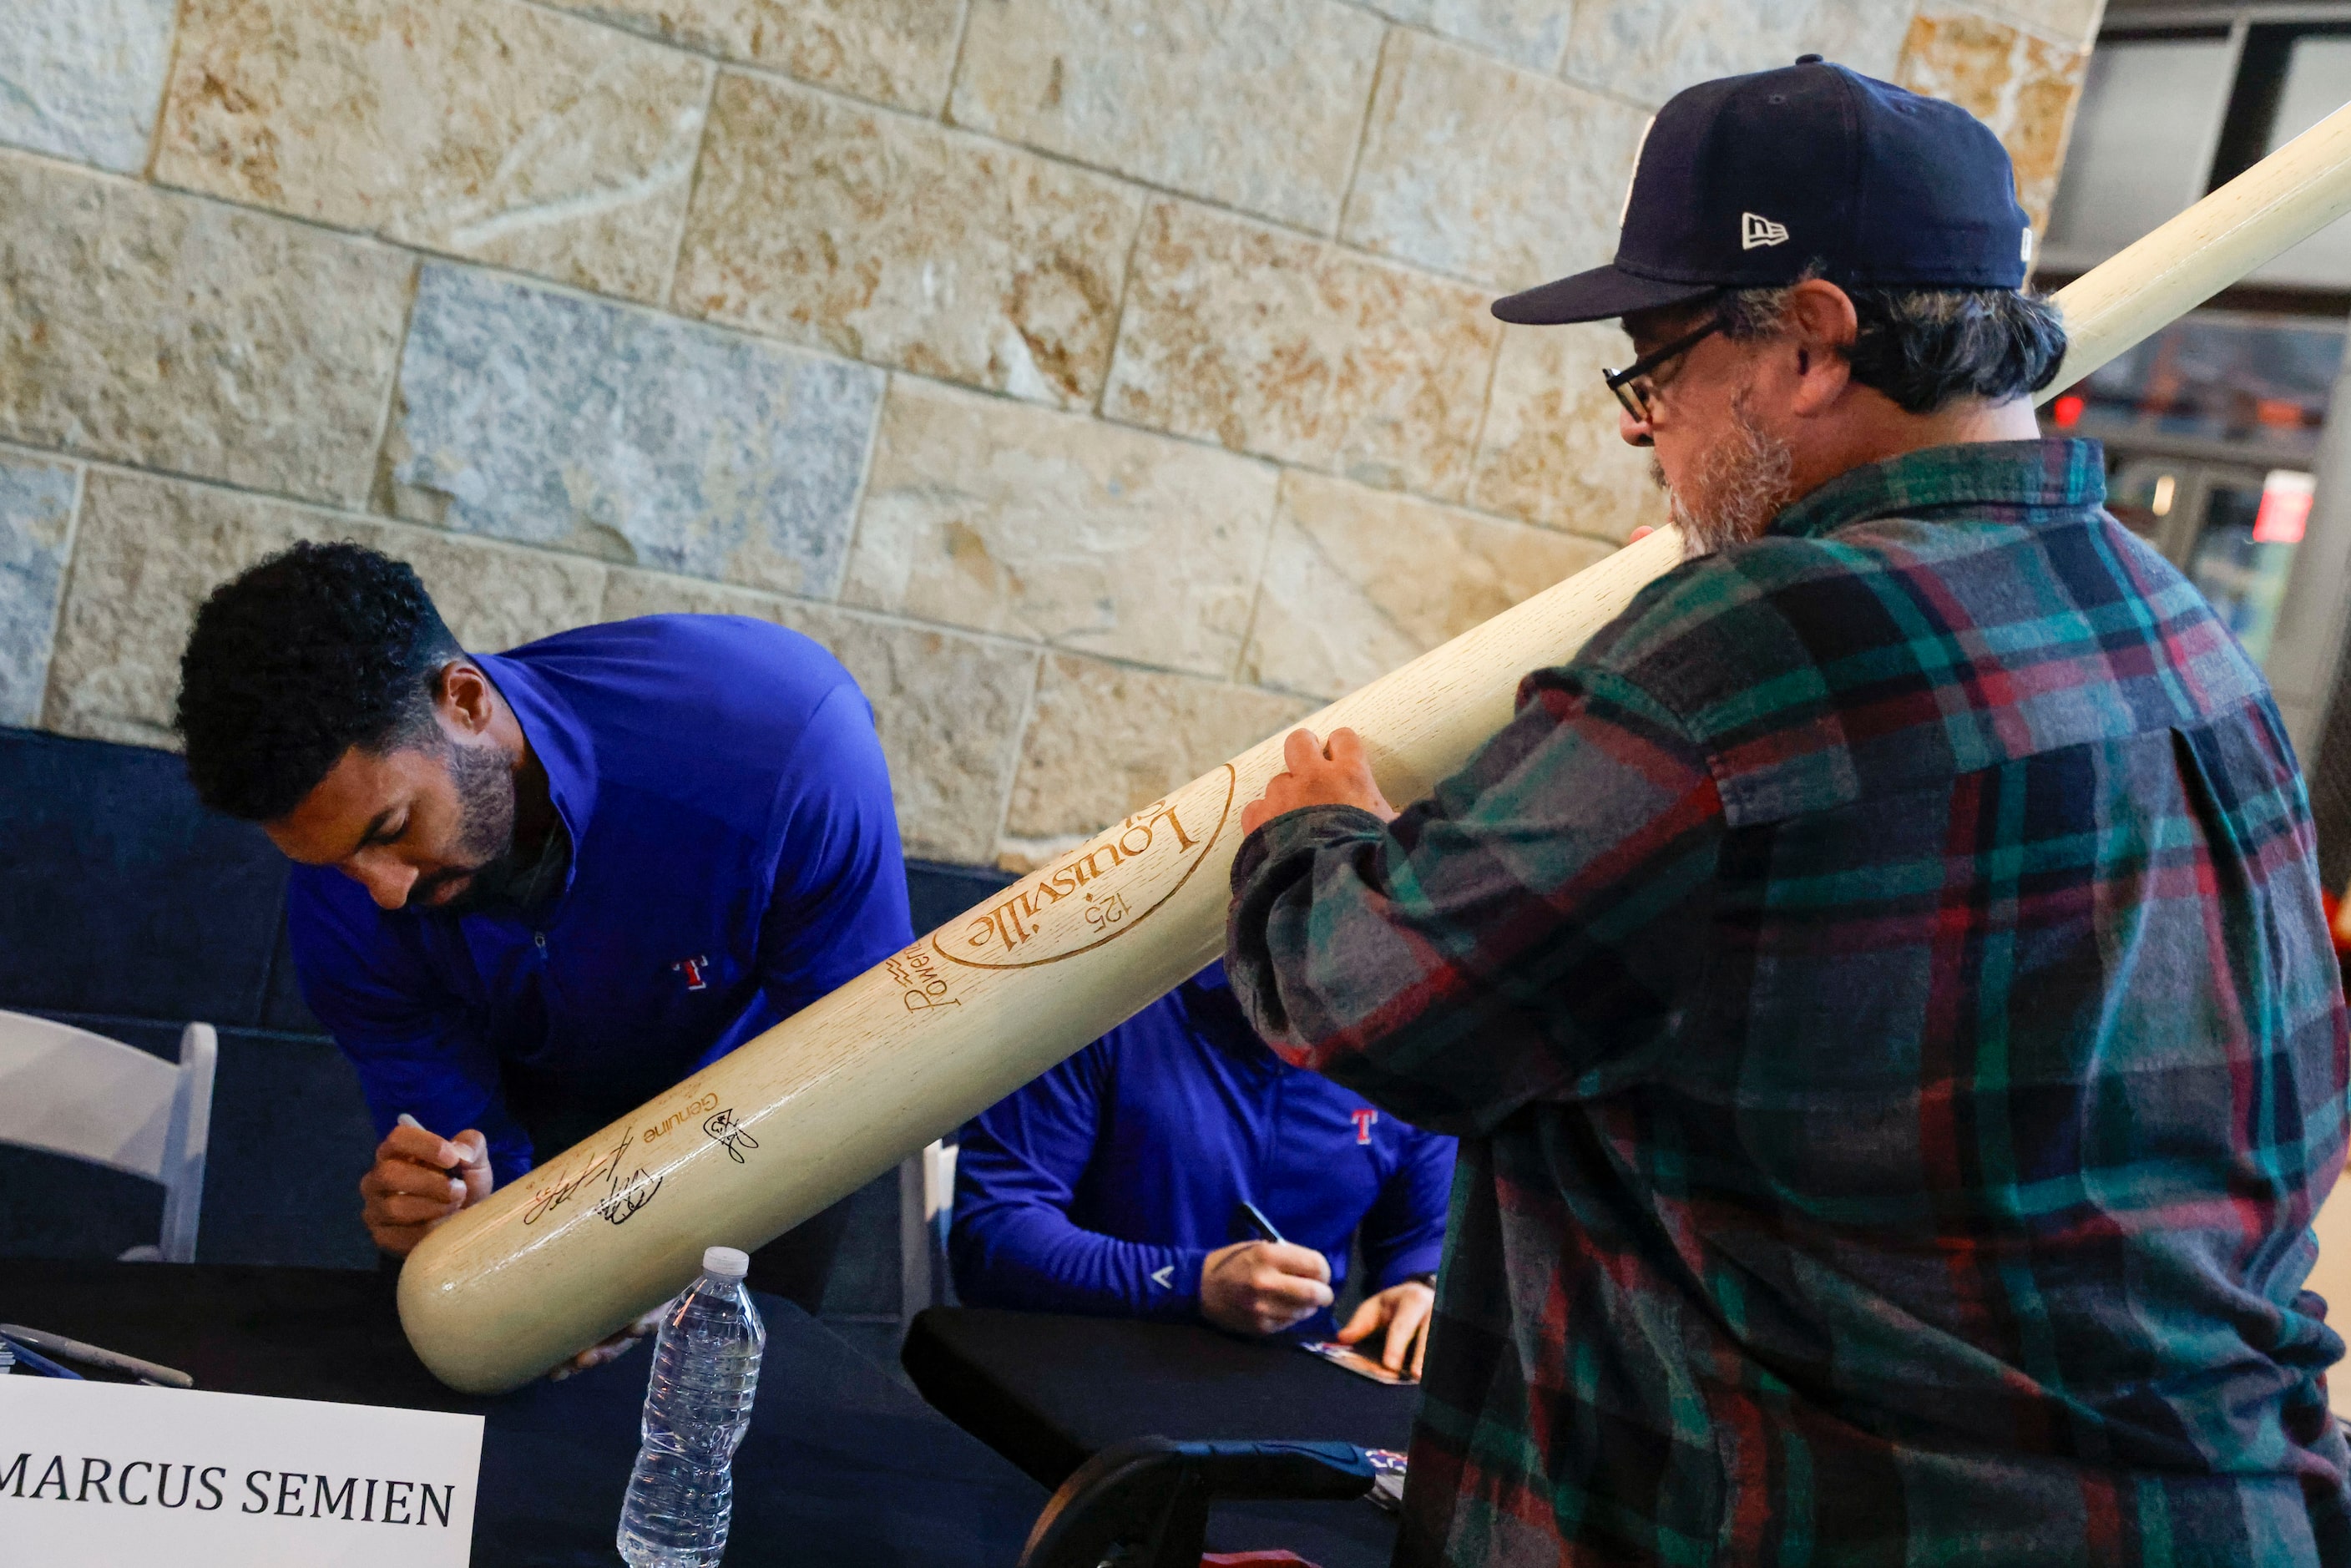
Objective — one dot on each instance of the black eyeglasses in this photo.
(1631, 384)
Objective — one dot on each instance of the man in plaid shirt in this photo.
(1879, 983)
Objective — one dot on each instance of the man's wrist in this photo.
(1306, 821)
(1172, 1280)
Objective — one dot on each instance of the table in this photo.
(842, 1466)
(1049, 1391)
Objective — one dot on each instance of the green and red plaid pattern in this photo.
(1881, 988)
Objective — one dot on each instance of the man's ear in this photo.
(1820, 322)
(464, 700)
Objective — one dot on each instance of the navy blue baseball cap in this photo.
(1750, 181)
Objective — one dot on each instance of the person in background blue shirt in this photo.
(538, 888)
(1113, 1184)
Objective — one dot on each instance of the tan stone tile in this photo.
(1487, 172)
(1107, 738)
(949, 707)
(2020, 84)
(1529, 33)
(1258, 107)
(147, 552)
(484, 127)
(162, 330)
(1550, 452)
(1058, 528)
(496, 597)
(1649, 51)
(629, 594)
(2074, 22)
(897, 52)
(144, 557)
(1359, 581)
(1300, 350)
(903, 243)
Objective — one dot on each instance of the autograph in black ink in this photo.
(623, 1195)
(720, 1126)
(627, 1197)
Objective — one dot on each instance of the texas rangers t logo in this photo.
(692, 969)
(1365, 1116)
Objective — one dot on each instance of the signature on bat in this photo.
(623, 1195)
(720, 1126)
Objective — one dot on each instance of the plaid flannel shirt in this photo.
(1881, 989)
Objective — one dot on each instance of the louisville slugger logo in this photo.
(1099, 890)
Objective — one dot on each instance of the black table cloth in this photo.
(841, 1465)
(1047, 1392)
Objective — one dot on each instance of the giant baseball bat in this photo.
(844, 1089)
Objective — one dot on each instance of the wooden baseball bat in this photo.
(846, 1088)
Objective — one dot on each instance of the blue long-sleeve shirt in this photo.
(1102, 1186)
(734, 856)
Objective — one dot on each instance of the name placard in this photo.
(110, 1473)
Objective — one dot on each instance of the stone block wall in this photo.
(1105, 381)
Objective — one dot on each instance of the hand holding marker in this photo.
(403, 1188)
(1265, 1286)
(420, 1179)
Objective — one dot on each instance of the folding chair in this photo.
(926, 1204)
(72, 1092)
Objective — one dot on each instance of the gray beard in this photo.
(1741, 484)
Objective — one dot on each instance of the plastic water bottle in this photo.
(697, 1407)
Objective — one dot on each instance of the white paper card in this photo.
(112, 1473)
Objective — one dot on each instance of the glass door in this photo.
(2232, 527)
(2150, 497)
(2248, 526)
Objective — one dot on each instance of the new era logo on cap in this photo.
(1756, 230)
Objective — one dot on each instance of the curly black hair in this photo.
(320, 648)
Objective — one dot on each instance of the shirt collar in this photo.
(559, 741)
(2054, 473)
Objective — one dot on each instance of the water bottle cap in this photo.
(727, 1262)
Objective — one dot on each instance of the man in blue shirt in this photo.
(1113, 1185)
(537, 888)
